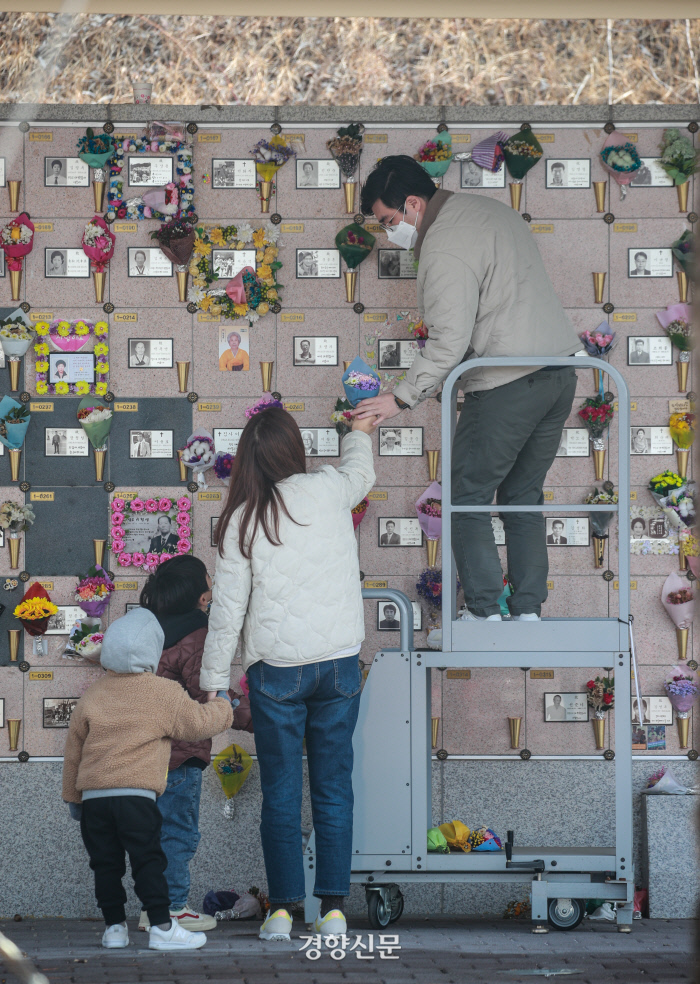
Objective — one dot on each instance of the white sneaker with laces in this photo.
(531, 617)
(277, 926)
(116, 937)
(466, 616)
(332, 924)
(175, 938)
(193, 920)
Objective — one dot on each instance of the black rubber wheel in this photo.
(379, 915)
(396, 905)
(565, 913)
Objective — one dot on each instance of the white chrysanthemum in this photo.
(196, 294)
(272, 232)
(245, 231)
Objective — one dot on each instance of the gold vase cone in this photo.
(14, 552)
(599, 189)
(13, 637)
(346, 364)
(596, 380)
(99, 463)
(598, 287)
(99, 547)
(433, 461)
(350, 285)
(349, 189)
(682, 192)
(98, 190)
(183, 467)
(682, 723)
(14, 364)
(516, 191)
(599, 732)
(599, 463)
(682, 461)
(183, 374)
(182, 284)
(432, 547)
(266, 373)
(15, 456)
(682, 286)
(682, 559)
(598, 551)
(99, 277)
(13, 729)
(514, 725)
(682, 369)
(682, 642)
(15, 283)
(265, 194)
(13, 188)
(434, 725)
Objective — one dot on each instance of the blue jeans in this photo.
(319, 702)
(179, 807)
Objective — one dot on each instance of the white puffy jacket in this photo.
(300, 601)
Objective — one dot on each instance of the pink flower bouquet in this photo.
(429, 511)
(98, 243)
(678, 598)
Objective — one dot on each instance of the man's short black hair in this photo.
(393, 180)
(558, 522)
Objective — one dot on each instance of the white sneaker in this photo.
(332, 924)
(277, 926)
(193, 920)
(527, 618)
(116, 937)
(466, 616)
(175, 938)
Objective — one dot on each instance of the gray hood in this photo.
(133, 644)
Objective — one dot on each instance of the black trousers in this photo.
(113, 826)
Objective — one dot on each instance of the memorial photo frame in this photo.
(396, 264)
(233, 172)
(649, 350)
(651, 174)
(150, 172)
(150, 353)
(147, 529)
(399, 531)
(3, 166)
(212, 535)
(397, 353)
(317, 264)
(472, 176)
(565, 708)
(65, 262)
(57, 711)
(568, 531)
(317, 174)
(131, 605)
(647, 439)
(71, 367)
(150, 443)
(66, 442)
(65, 618)
(567, 173)
(384, 616)
(2, 712)
(234, 349)
(66, 172)
(321, 442)
(649, 262)
(226, 439)
(400, 442)
(2, 261)
(315, 350)
(226, 263)
(574, 443)
(656, 709)
(147, 261)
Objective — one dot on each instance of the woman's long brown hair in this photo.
(270, 450)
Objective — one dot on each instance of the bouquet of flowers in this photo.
(484, 839)
(601, 697)
(682, 428)
(96, 150)
(199, 454)
(16, 334)
(96, 420)
(597, 414)
(419, 330)
(620, 158)
(89, 645)
(678, 598)
(359, 512)
(354, 244)
(35, 609)
(17, 240)
(93, 592)
(223, 463)
(14, 518)
(683, 251)
(14, 420)
(429, 511)
(521, 152)
(665, 483)
(346, 148)
(488, 153)
(176, 241)
(677, 322)
(342, 416)
(98, 243)
(598, 343)
(269, 156)
(435, 156)
(682, 687)
(676, 497)
(429, 586)
(263, 404)
(360, 382)
(678, 157)
(600, 521)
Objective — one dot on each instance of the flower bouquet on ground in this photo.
(345, 149)
(16, 335)
(620, 158)
(598, 343)
(678, 598)
(359, 512)
(677, 322)
(94, 591)
(354, 245)
(360, 382)
(682, 428)
(96, 420)
(521, 152)
(429, 512)
(15, 519)
(679, 159)
(435, 156)
(34, 612)
(600, 521)
(97, 151)
(269, 156)
(601, 698)
(682, 687)
(98, 246)
(199, 454)
(597, 414)
(176, 241)
(17, 240)
(342, 416)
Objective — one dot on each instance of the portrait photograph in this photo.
(397, 353)
(65, 172)
(389, 616)
(647, 527)
(565, 707)
(66, 263)
(150, 172)
(66, 442)
(234, 349)
(647, 262)
(395, 264)
(150, 444)
(473, 176)
(315, 350)
(146, 532)
(2, 172)
(317, 174)
(65, 618)
(71, 367)
(649, 350)
(655, 710)
(567, 172)
(214, 521)
(150, 353)
(226, 439)
(57, 711)
(400, 441)
(233, 173)
(321, 442)
(146, 261)
(650, 440)
(574, 443)
(226, 263)
(399, 531)
(651, 175)
(567, 531)
(321, 264)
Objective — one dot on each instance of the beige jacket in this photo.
(482, 291)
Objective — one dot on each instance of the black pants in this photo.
(112, 827)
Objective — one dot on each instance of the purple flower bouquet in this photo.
(429, 511)
(682, 688)
(360, 382)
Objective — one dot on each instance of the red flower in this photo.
(607, 698)
(591, 684)
(121, 212)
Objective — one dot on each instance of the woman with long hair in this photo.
(287, 584)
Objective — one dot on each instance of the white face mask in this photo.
(404, 234)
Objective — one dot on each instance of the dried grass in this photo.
(56, 58)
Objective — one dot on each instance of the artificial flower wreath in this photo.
(261, 291)
(137, 209)
(178, 510)
(68, 337)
